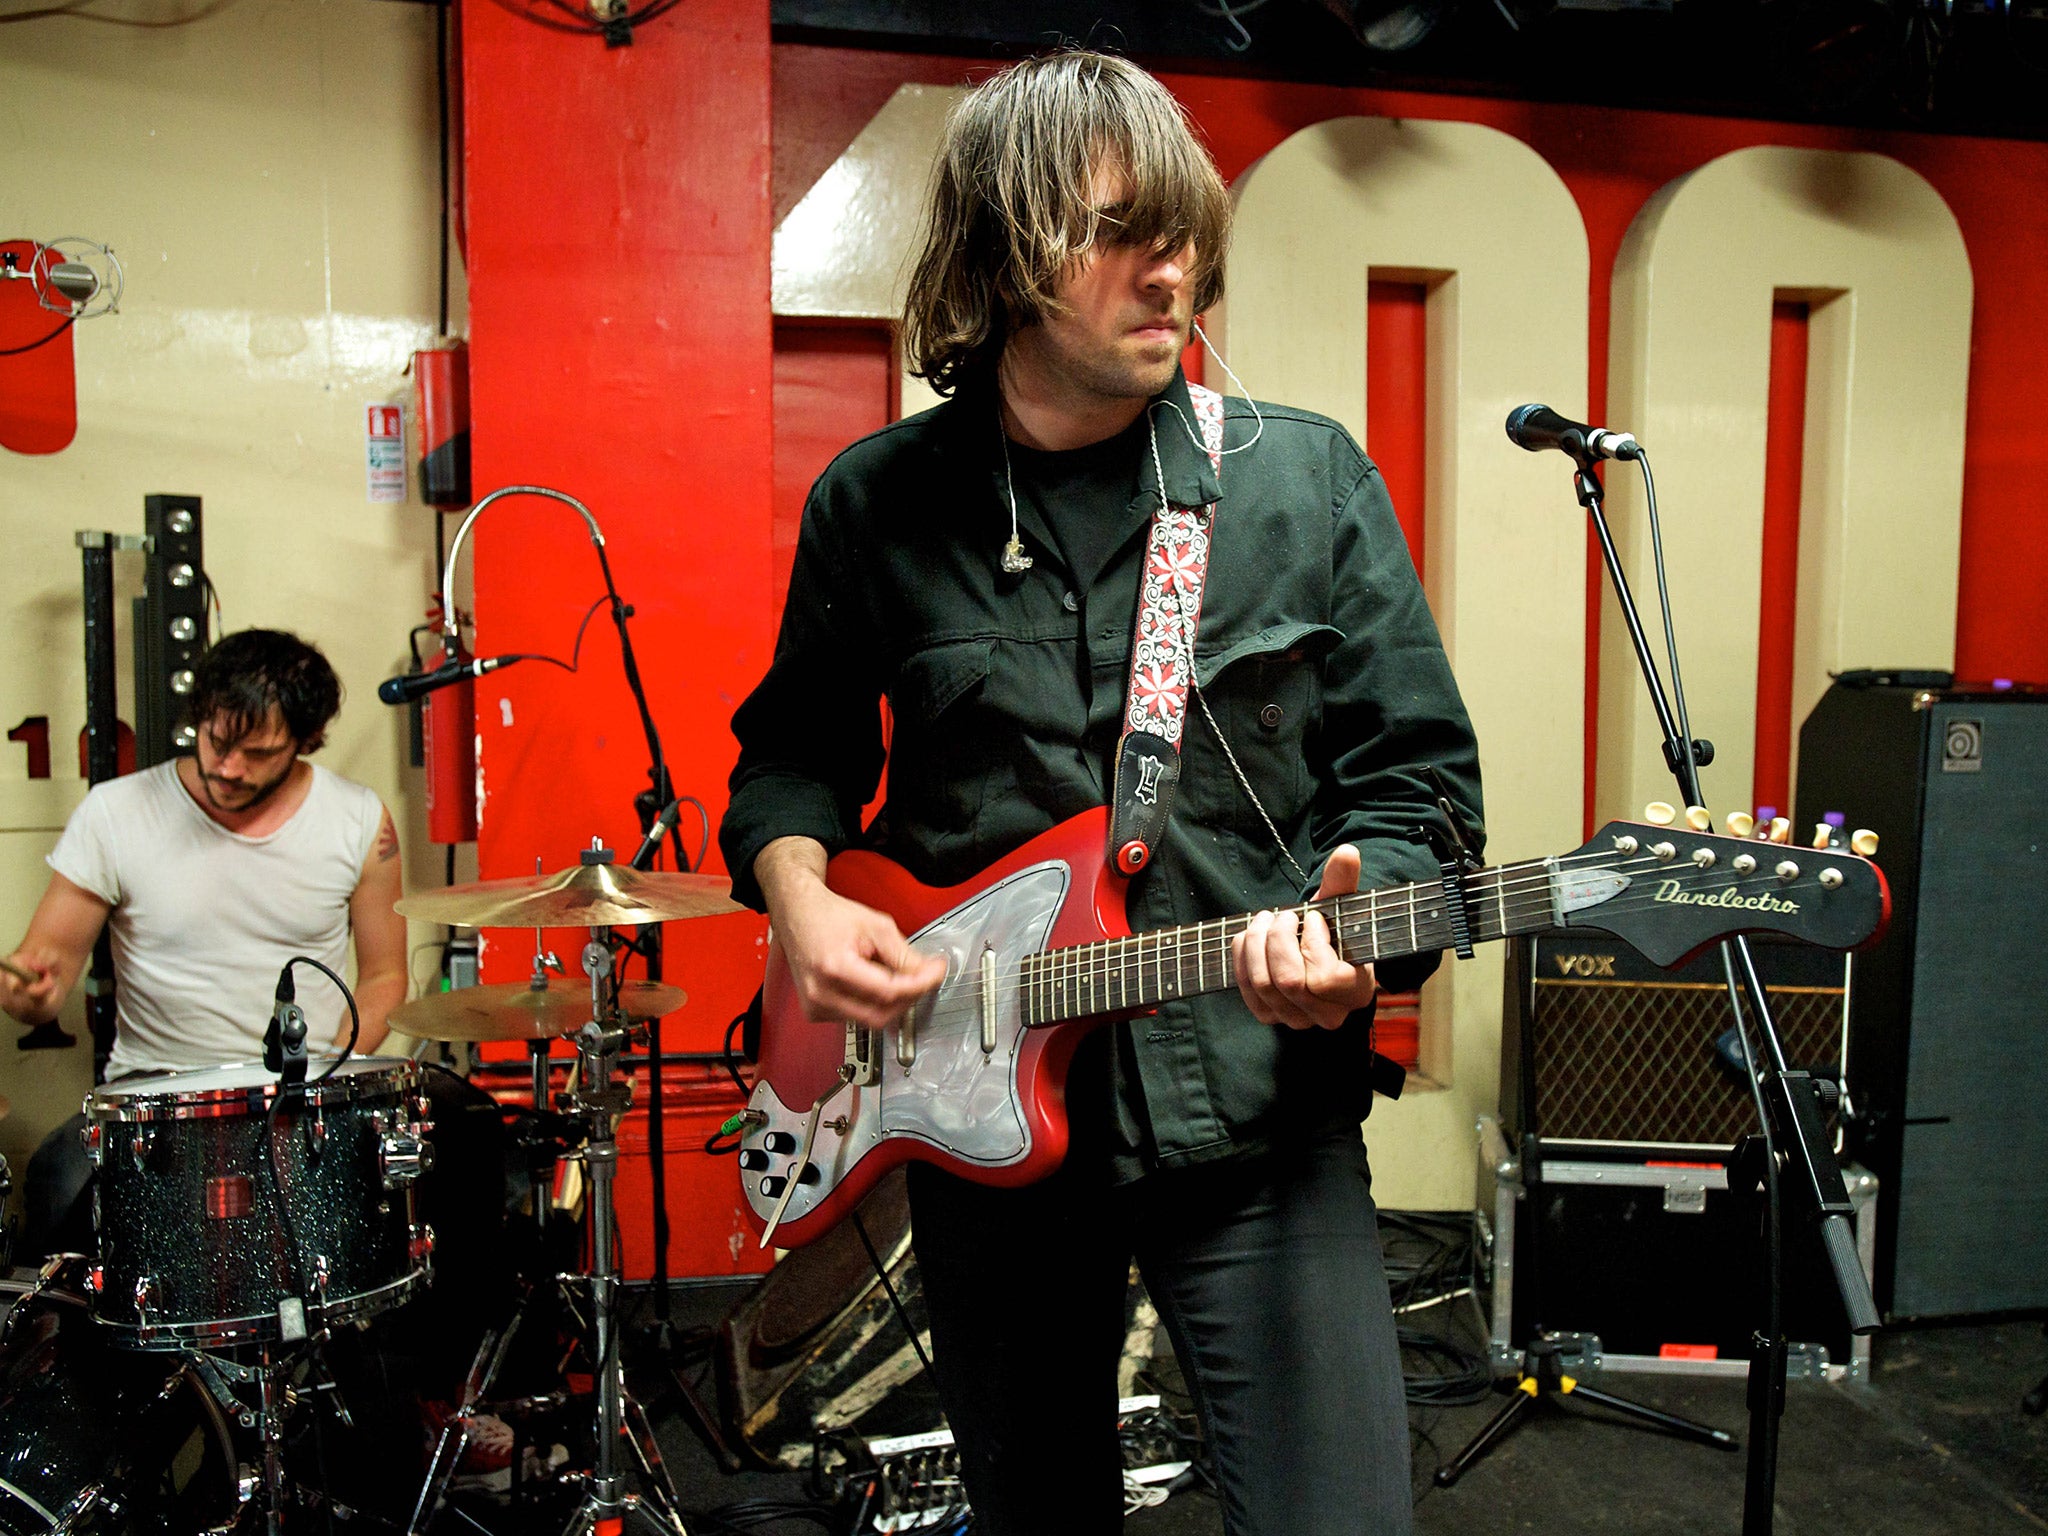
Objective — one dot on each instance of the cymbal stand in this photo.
(540, 1051)
(597, 1099)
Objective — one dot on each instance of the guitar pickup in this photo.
(906, 1039)
(989, 999)
(863, 1056)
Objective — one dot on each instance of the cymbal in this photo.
(582, 896)
(516, 1011)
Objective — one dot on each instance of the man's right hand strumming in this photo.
(849, 962)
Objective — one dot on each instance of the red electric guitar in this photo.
(1038, 952)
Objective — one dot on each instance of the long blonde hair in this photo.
(1011, 207)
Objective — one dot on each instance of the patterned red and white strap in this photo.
(1170, 597)
(1163, 658)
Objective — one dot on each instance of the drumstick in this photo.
(25, 977)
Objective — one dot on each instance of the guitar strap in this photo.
(1162, 661)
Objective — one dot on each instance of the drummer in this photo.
(216, 868)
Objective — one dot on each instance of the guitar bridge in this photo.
(863, 1056)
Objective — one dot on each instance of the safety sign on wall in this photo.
(384, 450)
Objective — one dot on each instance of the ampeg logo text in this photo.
(1962, 747)
(1584, 965)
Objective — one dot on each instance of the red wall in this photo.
(617, 241)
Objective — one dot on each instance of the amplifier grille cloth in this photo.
(1635, 1061)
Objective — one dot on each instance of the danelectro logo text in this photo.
(1674, 891)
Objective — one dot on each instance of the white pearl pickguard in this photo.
(952, 1096)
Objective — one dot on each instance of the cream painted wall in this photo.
(845, 250)
(268, 177)
(1503, 552)
(1878, 255)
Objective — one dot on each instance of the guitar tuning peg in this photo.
(1823, 834)
(1740, 823)
(1658, 814)
(1863, 841)
(1781, 829)
(1699, 818)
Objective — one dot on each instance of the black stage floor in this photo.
(1935, 1442)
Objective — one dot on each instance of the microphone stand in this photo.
(649, 806)
(1793, 1136)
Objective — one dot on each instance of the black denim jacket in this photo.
(1317, 656)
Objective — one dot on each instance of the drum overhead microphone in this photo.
(408, 686)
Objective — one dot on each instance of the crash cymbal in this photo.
(520, 1012)
(584, 896)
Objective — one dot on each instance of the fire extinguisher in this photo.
(440, 379)
(447, 716)
(448, 743)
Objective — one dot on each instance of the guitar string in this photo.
(1121, 963)
(1113, 959)
(1392, 911)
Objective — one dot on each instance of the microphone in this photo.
(656, 834)
(1536, 427)
(408, 686)
(284, 1042)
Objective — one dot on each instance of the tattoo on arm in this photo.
(387, 840)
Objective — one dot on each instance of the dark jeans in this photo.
(1267, 1273)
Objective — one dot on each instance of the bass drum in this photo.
(97, 1441)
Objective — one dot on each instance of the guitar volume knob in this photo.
(772, 1186)
(782, 1143)
(753, 1159)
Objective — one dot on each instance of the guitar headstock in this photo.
(1670, 890)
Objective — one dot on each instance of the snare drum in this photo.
(195, 1246)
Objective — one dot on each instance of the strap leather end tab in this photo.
(1141, 800)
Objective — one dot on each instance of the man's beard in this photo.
(1125, 378)
(206, 784)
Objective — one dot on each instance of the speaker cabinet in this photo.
(1949, 1012)
(817, 1343)
(1612, 1212)
(1605, 1050)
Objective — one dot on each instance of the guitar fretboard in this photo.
(1146, 969)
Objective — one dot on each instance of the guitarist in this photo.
(979, 566)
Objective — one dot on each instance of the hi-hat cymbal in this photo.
(520, 1012)
(583, 896)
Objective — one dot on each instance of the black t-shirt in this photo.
(1088, 495)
